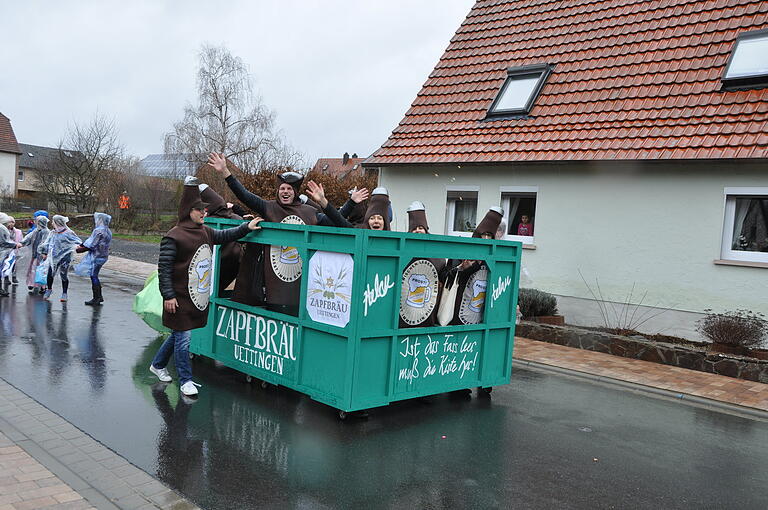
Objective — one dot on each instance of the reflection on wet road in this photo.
(541, 442)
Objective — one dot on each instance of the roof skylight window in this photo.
(520, 90)
(748, 64)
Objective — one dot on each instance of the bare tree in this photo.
(86, 156)
(230, 118)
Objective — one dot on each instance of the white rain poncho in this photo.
(97, 244)
(7, 244)
(61, 242)
(37, 238)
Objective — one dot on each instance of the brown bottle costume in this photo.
(229, 253)
(470, 299)
(378, 204)
(421, 288)
(188, 259)
(282, 265)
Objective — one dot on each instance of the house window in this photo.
(461, 214)
(21, 175)
(519, 203)
(747, 66)
(520, 90)
(745, 229)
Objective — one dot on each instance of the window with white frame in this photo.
(21, 175)
(519, 204)
(461, 212)
(745, 229)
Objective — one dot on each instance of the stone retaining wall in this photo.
(638, 347)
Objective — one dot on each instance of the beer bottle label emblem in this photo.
(418, 294)
(473, 297)
(285, 260)
(200, 275)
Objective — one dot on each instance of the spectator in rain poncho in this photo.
(36, 240)
(16, 237)
(97, 246)
(7, 245)
(58, 252)
(35, 215)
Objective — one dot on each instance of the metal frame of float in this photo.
(371, 361)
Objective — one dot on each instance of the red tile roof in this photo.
(632, 80)
(7, 137)
(336, 166)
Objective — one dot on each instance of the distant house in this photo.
(168, 166)
(634, 135)
(339, 167)
(34, 162)
(9, 157)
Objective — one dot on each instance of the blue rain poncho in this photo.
(61, 242)
(36, 215)
(97, 244)
(101, 237)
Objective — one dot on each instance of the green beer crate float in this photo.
(345, 348)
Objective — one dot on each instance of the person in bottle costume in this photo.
(282, 265)
(185, 274)
(230, 253)
(421, 287)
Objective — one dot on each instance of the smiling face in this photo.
(197, 216)
(285, 194)
(376, 222)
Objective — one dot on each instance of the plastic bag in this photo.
(84, 267)
(448, 303)
(8, 263)
(41, 273)
(148, 304)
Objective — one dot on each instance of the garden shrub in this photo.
(742, 328)
(536, 303)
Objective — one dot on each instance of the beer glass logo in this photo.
(289, 255)
(285, 260)
(419, 291)
(203, 270)
(200, 274)
(478, 295)
(473, 297)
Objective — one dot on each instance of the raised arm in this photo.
(253, 201)
(331, 218)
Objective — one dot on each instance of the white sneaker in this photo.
(189, 388)
(161, 373)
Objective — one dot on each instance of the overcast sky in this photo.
(339, 74)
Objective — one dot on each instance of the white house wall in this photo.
(8, 172)
(657, 226)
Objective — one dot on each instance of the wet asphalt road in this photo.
(544, 441)
(134, 250)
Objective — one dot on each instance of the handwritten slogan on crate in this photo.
(446, 356)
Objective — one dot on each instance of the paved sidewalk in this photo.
(46, 462)
(713, 387)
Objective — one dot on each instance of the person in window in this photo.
(281, 264)
(421, 287)
(525, 227)
(472, 275)
(184, 271)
